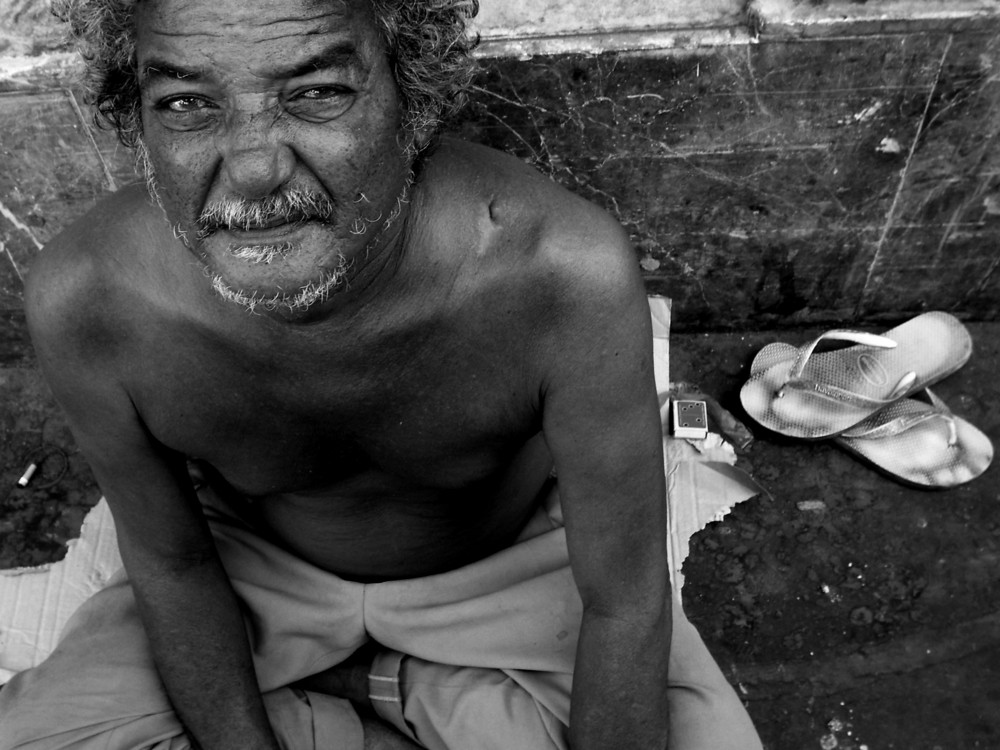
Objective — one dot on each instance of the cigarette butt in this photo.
(27, 475)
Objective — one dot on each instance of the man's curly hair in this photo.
(427, 42)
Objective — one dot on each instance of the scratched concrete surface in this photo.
(780, 183)
(52, 173)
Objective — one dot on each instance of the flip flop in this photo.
(800, 393)
(920, 443)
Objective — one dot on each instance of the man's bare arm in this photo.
(193, 621)
(186, 602)
(601, 423)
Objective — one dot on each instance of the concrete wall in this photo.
(27, 25)
(550, 17)
(779, 163)
(522, 27)
(785, 181)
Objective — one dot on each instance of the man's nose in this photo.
(255, 159)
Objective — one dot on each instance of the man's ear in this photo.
(422, 136)
(412, 142)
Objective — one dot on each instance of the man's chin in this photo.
(277, 264)
(288, 295)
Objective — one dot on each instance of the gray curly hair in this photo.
(427, 42)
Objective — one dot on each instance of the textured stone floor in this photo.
(850, 610)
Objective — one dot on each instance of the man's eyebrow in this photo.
(162, 69)
(339, 55)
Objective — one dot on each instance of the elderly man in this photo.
(373, 411)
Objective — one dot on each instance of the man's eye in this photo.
(185, 112)
(320, 103)
(323, 93)
(183, 104)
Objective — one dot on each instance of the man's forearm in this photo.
(620, 684)
(199, 643)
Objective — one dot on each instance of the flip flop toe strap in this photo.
(850, 397)
(856, 337)
(877, 426)
(797, 382)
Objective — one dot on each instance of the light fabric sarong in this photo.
(480, 657)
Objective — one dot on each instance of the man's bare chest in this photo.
(439, 412)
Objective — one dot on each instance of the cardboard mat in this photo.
(703, 485)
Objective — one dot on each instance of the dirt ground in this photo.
(853, 612)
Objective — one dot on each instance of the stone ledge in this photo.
(832, 12)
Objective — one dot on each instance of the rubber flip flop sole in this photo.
(920, 444)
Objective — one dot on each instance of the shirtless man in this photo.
(373, 346)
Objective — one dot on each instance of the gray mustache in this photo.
(288, 207)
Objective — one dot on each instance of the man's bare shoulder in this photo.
(76, 282)
(550, 270)
(533, 222)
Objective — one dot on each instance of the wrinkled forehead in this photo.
(252, 18)
(259, 39)
(309, 6)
